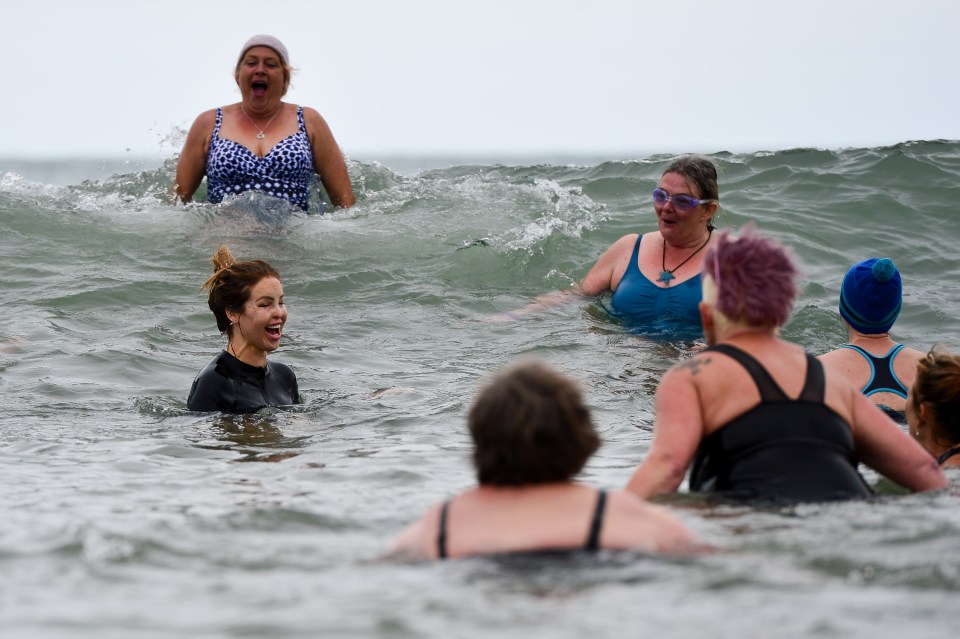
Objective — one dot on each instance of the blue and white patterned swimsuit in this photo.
(284, 172)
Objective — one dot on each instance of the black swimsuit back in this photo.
(783, 449)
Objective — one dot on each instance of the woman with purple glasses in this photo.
(757, 417)
(655, 276)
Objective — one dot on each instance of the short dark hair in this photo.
(530, 426)
(937, 385)
(231, 283)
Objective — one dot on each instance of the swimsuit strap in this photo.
(216, 127)
(442, 534)
(636, 250)
(815, 383)
(593, 541)
(303, 127)
(769, 390)
(854, 347)
(947, 455)
(889, 354)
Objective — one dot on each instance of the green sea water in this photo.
(125, 515)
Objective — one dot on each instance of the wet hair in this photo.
(755, 277)
(700, 171)
(231, 283)
(530, 426)
(937, 385)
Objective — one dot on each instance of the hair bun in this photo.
(222, 259)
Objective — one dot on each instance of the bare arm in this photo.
(603, 276)
(416, 540)
(606, 273)
(881, 445)
(677, 432)
(328, 160)
(192, 164)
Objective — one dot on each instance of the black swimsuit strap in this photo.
(947, 455)
(815, 385)
(770, 391)
(442, 534)
(593, 541)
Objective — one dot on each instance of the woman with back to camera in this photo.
(262, 143)
(933, 406)
(757, 416)
(655, 276)
(870, 300)
(247, 301)
(531, 435)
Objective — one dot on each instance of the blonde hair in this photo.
(937, 386)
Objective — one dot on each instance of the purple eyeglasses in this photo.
(680, 200)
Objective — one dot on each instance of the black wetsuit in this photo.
(593, 540)
(228, 385)
(782, 449)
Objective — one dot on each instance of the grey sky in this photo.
(110, 78)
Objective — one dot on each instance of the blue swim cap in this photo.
(871, 295)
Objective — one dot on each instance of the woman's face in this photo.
(260, 75)
(679, 225)
(260, 323)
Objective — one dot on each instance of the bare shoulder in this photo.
(208, 117)
(835, 355)
(620, 250)
(418, 540)
(605, 274)
(911, 355)
(623, 244)
(696, 365)
(636, 523)
(312, 117)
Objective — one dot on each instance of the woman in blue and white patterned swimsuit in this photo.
(261, 143)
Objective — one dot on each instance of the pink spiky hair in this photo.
(756, 277)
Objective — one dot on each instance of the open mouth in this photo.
(259, 88)
(274, 331)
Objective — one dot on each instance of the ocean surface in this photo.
(123, 515)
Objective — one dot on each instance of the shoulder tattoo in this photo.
(694, 365)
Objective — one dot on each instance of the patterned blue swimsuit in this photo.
(284, 172)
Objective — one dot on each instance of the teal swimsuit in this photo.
(640, 301)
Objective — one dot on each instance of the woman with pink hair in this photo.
(757, 416)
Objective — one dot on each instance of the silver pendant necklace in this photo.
(260, 135)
